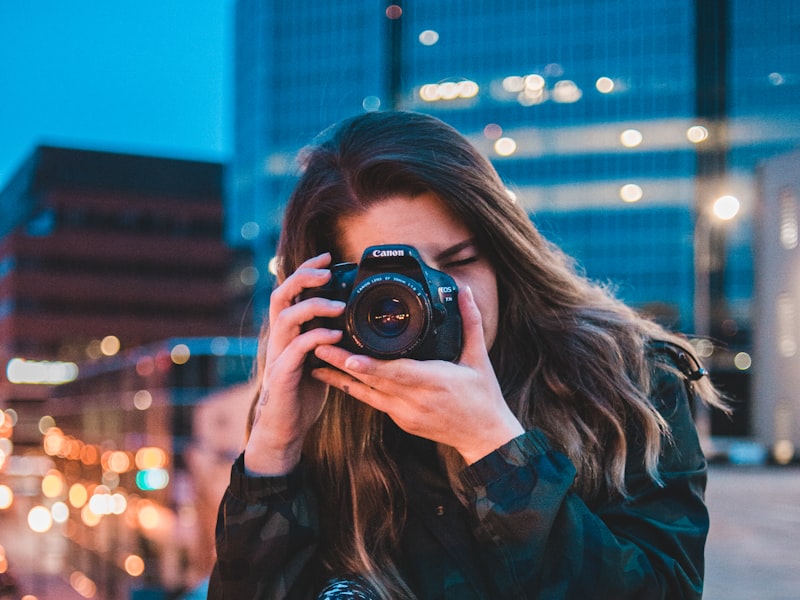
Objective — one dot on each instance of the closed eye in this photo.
(460, 263)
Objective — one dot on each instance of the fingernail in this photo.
(355, 363)
(322, 352)
(333, 337)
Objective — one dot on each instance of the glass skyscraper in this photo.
(615, 123)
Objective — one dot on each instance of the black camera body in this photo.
(397, 306)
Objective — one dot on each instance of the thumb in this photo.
(474, 346)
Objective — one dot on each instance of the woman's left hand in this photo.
(456, 404)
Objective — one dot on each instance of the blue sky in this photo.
(142, 76)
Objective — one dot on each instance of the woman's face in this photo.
(443, 241)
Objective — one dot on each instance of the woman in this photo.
(555, 458)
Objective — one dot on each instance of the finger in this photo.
(310, 274)
(315, 262)
(377, 399)
(363, 367)
(474, 345)
(293, 317)
(390, 376)
(294, 354)
(287, 324)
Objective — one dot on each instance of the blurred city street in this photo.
(657, 144)
(753, 549)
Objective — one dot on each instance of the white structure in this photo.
(776, 377)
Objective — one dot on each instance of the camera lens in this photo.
(389, 316)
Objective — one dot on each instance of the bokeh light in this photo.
(566, 92)
(697, 134)
(428, 37)
(90, 454)
(39, 519)
(448, 90)
(6, 497)
(180, 354)
(78, 495)
(83, 584)
(505, 146)
(630, 192)
(142, 400)
(145, 366)
(631, 138)
(250, 230)
(60, 512)
(118, 461)
(371, 103)
(604, 85)
(249, 276)
(134, 565)
(53, 484)
(726, 207)
(394, 11)
(272, 266)
(152, 479)
(110, 345)
(220, 346)
(783, 452)
(89, 517)
(742, 361)
(150, 457)
(46, 423)
(148, 516)
(492, 131)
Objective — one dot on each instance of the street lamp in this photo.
(723, 209)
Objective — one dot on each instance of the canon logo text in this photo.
(385, 253)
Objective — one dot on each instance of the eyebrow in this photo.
(453, 250)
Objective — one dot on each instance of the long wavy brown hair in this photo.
(570, 358)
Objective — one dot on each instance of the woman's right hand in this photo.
(290, 401)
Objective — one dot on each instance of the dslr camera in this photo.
(396, 306)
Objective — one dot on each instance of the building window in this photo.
(786, 312)
(788, 217)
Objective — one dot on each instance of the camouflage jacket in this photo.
(523, 534)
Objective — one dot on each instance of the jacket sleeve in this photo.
(543, 541)
(266, 537)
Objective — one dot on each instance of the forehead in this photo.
(422, 221)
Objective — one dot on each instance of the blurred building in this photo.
(777, 412)
(123, 317)
(616, 124)
(102, 251)
(134, 456)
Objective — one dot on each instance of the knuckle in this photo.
(281, 318)
(318, 303)
(275, 295)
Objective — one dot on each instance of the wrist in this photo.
(265, 460)
(491, 441)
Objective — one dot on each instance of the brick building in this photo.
(98, 245)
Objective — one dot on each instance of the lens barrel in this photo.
(389, 314)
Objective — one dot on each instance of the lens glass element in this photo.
(389, 316)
